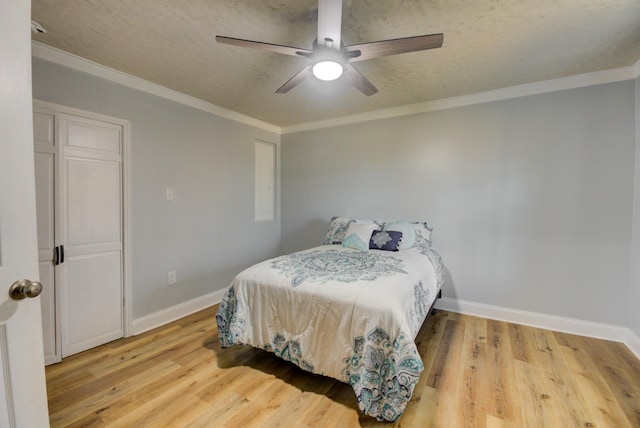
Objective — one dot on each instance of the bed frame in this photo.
(432, 309)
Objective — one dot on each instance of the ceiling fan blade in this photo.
(295, 80)
(358, 80)
(329, 23)
(286, 50)
(395, 46)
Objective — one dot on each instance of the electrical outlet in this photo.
(171, 277)
(168, 194)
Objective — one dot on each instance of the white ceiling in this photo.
(488, 44)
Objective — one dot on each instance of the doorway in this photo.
(81, 163)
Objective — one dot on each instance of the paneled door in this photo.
(91, 292)
(23, 397)
(45, 160)
(79, 180)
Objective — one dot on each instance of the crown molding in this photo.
(78, 63)
(75, 62)
(553, 85)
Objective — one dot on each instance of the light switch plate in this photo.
(171, 277)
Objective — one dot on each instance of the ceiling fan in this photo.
(330, 59)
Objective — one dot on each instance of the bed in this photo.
(334, 310)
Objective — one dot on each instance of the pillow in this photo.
(337, 230)
(423, 234)
(413, 233)
(339, 225)
(387, 240)
(358, 236)
(407, 230)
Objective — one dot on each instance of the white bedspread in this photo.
(347, 314)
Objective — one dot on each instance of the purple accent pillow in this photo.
(387, 240)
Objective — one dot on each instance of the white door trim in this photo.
(126, 198)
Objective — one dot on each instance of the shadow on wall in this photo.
(310, 235)
(449, 287)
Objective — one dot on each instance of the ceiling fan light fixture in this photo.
(329, 58)
(327, 70)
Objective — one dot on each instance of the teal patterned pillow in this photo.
(423, 234)
(337, 230)
(358, 236)
(339, 225)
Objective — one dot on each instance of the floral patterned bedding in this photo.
(351, 315)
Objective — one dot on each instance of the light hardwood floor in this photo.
(478, 373)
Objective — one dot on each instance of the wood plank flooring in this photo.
(478, 373)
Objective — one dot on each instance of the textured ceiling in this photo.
(488, 44)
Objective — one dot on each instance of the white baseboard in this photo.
(165, 316)
(533, 319)
(633, 342)
(548, 322)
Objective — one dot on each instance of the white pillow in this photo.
(408, 233)
(358, 236)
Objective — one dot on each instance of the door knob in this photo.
(25, 288)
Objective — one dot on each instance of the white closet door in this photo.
(91, 291)
(44, 144)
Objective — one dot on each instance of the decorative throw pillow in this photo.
(337, 230)
(358, 236)
(423, 234)
(387, 240)
(407, 230)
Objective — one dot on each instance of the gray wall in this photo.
(634, 288)
(531, 198)
(207, 234)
